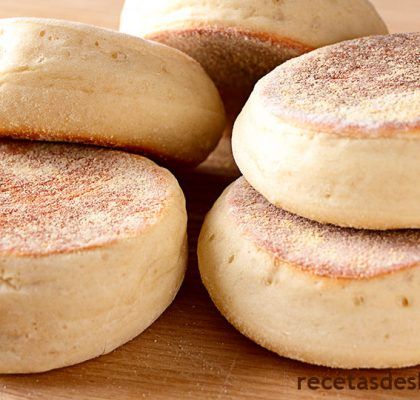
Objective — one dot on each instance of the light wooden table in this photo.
(191, 352)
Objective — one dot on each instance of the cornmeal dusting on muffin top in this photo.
(57, 198)
(367, 87)
(324, 250)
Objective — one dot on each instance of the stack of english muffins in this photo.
(315, 252)
(312, 254)
(93, 244)
(301, 254)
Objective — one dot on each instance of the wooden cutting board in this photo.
(191, 352)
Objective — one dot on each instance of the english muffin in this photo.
(79, 271)
(331, 296)
(334, 135)
(66, 81)
(240, 41)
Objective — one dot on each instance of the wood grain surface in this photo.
(191, 352)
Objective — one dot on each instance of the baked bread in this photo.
(240, 41)
(79, 272)
(317, 293)
(67, 81)
(334, 135)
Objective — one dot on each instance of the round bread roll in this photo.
(240, 41)
(317, 293)
(79, 269)
(334, 136)
(66, 81)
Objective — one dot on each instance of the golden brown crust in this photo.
(173, 161)
(60, 198)
(324, 250)
(234, 58)
(367, 87)
(67, 81)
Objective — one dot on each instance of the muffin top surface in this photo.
(323, 250)
(58, 198)
(365, 87)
